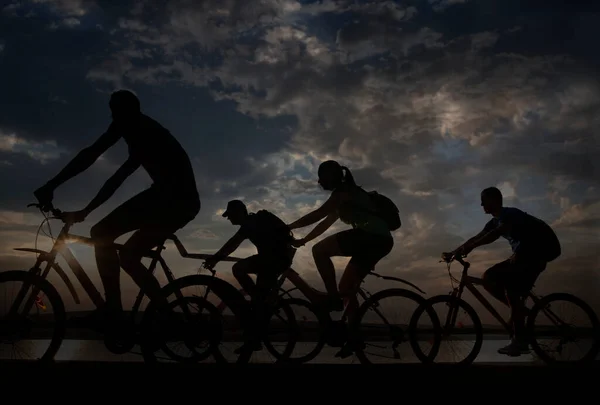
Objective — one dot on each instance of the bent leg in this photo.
(241, 271)
(519, 284)
(128, 217)
(323, 251)
(366, 250)
(258, 292)
(138, 246)
(266, 280)
(349, 284)
(495, 280)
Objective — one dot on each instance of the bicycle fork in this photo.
(33, 298)
(452, 311)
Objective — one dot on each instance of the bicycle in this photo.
(43, 293)
(541, 305)
(231, 298)
(280, 302)
(331, 332)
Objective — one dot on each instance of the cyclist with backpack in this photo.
(372, 217)
(272, 239)
(533, 243)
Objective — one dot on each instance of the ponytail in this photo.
(348, 177)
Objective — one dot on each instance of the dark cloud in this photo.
(428, 103)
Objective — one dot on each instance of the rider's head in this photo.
(491, 200)
(124, 105)
(236, 212)
(332, 175)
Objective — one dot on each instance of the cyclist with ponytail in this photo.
(366, 243)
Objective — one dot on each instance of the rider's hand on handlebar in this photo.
(44, 195)
(298, 243)
(447, 256)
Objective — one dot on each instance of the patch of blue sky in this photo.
(451, 149)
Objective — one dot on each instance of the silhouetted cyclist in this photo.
(169, 204)
(533, 243)
(366, 243)
(272, 239)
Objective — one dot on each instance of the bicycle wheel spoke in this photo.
(382, 325)
(460, 331)
(303, 336)
(30, 335)
(564, 329)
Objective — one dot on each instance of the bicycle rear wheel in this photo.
(369, 327)
(545, 315)
(47, 310)
(460, 332)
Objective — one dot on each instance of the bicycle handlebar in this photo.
(54, 211)
(458, 258)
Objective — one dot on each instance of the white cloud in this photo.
(427, 120)
(40, 151)
(584, 215)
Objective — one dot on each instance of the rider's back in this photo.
(267, 232)
(528, 233)
(161, 155)
(359, 211)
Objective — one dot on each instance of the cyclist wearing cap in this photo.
(533, 243)
(169, 204)
(275, 254)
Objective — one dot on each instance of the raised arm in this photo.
(488, 235)
(330, 206)
(113, 183)
(228, 248)
(85, 158)
(320, 228)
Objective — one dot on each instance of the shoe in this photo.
(514, 349)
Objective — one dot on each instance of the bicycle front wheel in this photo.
(199, 334)
(378, 334)
(551, 329)
(35, 334)
(458, 338)
(214, 324)
(307, 329)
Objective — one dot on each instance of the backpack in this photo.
(273, 226)
(386, 210)
(551, 244)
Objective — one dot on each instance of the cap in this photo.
(234, 205)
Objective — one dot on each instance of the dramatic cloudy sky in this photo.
(426, 101)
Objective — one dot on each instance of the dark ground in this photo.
(279, 383)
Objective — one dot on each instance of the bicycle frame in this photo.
(470, 283)
(362, 292)
(61, 247)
